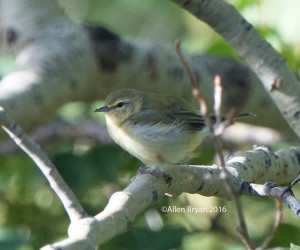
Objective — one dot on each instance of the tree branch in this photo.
(234, 197)
(58, 61)
(257, 165)
(273, 231)
(271, 68)
(68, 199)
(54, 53)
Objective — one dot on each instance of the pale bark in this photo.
(278, 79)
(245, 168)
(58, 61)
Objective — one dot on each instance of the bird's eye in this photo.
(120, 104)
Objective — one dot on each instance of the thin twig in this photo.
(196, 92)
(68, 199)
(231, 115)
(217, 143)
(204, 108)
(273, 231)
(218, 99)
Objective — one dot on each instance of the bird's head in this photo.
(121, 104)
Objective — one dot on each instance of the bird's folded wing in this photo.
(191, 120)
(184, 118)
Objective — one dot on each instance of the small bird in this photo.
(158, 129)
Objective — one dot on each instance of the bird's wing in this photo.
(149, 116)
(181, 112)
(184, 118)
(165, 109)
(189, 119)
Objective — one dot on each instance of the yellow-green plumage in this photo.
(158, 129)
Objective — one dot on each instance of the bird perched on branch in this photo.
(158, 129)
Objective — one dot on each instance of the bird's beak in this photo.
(103, 109)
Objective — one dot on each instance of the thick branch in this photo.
(58, 61)
(258, 165)
(54, 61)
(278, 79)
(271, 189)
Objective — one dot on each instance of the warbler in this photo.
(158, 129)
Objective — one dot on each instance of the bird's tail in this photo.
(238, 115)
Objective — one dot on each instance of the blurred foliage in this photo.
(32, 216)
(6, 64)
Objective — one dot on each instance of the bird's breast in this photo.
(124, 136)
(152, 142)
